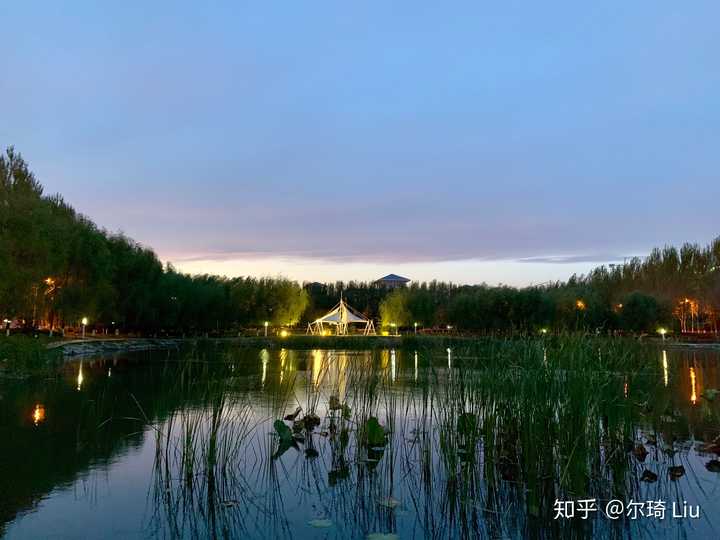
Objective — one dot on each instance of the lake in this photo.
(474, 441)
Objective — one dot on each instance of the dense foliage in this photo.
(56, 267)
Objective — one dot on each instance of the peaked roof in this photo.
(394, 277)
(342, 313)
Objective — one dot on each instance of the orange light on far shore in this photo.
(580, 304)
(38, 415)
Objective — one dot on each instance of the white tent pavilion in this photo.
(340, 317)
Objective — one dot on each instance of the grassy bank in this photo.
(25, 356)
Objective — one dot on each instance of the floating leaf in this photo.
(311, 421)
(291, 417)
(283, 431)
(648, 476)
(676, 472)
(375, 432)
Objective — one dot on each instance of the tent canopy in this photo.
(340, 316)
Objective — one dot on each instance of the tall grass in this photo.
(480, 442)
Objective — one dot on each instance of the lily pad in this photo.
(311, 421)
(375, 432)
(648, 476)
(676, 472)
(283, 431)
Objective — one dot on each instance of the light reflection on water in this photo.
(265, 499)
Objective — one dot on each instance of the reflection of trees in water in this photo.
(478, 447)
(470, 452)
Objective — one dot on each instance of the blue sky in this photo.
(506, 142)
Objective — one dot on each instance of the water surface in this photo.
(183, 444)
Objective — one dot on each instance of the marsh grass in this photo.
(480, 441)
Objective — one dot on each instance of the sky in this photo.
(499, 142)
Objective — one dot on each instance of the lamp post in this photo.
(662, 332)
(395, 328)
(415, 325)
(266, 325)
(84, 324)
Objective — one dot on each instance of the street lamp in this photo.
(84, 324)
(266, 325)
(415, 325)
(662, 332)
(395, 327)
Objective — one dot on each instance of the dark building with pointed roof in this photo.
(392, 281)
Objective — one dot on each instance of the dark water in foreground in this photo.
(183, 444)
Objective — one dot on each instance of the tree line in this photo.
(57, 267)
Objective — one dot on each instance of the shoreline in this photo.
(77, 348)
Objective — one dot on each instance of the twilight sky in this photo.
(510, 142)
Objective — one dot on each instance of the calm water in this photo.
(183, 444)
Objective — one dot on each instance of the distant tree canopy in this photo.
(56, 266)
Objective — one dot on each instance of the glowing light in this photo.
(543, 330)
(84, 321)
(665, 368)
(580, 305)
(416, 366)
(38, 415)
(80, 377)
(265, 358)
(449, 351)
(283, 357)
(284, 333)
(693, 386)
(317, 367)
(392, 365)
(385, 333)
